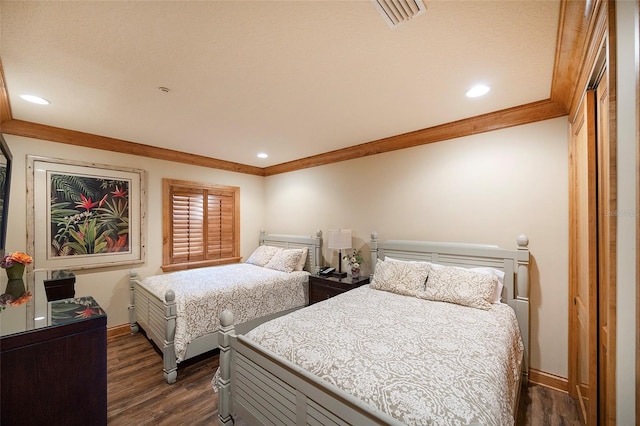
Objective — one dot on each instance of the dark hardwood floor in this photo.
(138, 395)
(540, 405)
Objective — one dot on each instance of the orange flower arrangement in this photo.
(15, 295)
(17, 257)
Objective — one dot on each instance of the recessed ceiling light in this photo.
(35, 99)
(478, 90)
(262, 155)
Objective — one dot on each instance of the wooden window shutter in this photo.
(220, 221)
(200, 225)
(188, 231)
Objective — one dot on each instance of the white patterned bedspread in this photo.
(249, 291)
(421, 362)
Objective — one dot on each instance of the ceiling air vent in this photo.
(396, 12)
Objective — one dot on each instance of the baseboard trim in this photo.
(118, 331)
(548, 380)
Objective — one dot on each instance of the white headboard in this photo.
(313, 243)
(514, 263)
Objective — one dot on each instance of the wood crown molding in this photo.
(72, 137)
(581, 29)
(524, 114)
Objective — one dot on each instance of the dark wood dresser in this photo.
(322, 288)
(57, 374)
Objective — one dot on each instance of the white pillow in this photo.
(460, 286)
(406, 278)
(262, 255)
(285, 260)
(303, 260)
(497, 295)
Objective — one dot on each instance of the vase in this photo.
(15, 287)
(15, 271)
(355, 273)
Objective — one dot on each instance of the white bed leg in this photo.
(522, 300)
(224, 384)
(373, 245)
(133, 276)
(168, 346)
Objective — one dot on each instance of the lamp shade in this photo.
(339, 239)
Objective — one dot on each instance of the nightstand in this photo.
(322, 288)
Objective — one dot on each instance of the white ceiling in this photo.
(290, 78)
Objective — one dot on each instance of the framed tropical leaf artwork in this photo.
(85, 215)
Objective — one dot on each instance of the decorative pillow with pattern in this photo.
(497, 294)
(285, 260)
(303, 260)
(461, 286)
(400, 277)
(262, 255)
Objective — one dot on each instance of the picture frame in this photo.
(84, 215)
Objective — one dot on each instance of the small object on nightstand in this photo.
(323, 287)
(326, 271)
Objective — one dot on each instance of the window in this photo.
(200, 225)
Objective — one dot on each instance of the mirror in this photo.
(5, 188)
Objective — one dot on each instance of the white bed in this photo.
(179, 311)
(378, 357)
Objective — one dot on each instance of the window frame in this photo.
(171, 185)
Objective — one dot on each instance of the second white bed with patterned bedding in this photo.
(440, 337)
(180, 311)
(420, 361)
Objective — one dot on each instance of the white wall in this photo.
(110, 286)
(627, 110)
(487, 188)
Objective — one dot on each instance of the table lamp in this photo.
(339, 239)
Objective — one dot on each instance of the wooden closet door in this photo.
(607, 207)
(583, 331)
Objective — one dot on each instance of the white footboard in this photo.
(158, 319)
(258, 387)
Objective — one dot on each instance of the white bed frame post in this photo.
(373, 245)
(521, 299)
(224, 382)
(133, 325)
(168, 346)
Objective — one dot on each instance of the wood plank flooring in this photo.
(540, 405)
(138, 395)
